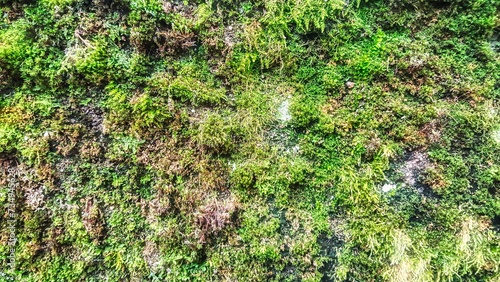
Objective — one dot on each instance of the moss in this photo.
(229, 140)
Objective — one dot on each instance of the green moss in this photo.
(267, 141)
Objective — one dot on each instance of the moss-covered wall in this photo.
(282, 140)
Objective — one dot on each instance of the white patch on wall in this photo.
(284, 111)
(293, 150)
(35, 197)
(492, 113)
(496, 135)
(388, 187)
(232, 165)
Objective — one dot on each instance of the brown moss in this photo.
(212, 218)
(170, 42)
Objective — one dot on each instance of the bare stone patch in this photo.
(35, 197)
(406, 174)
(416, 163)
(93, 117)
